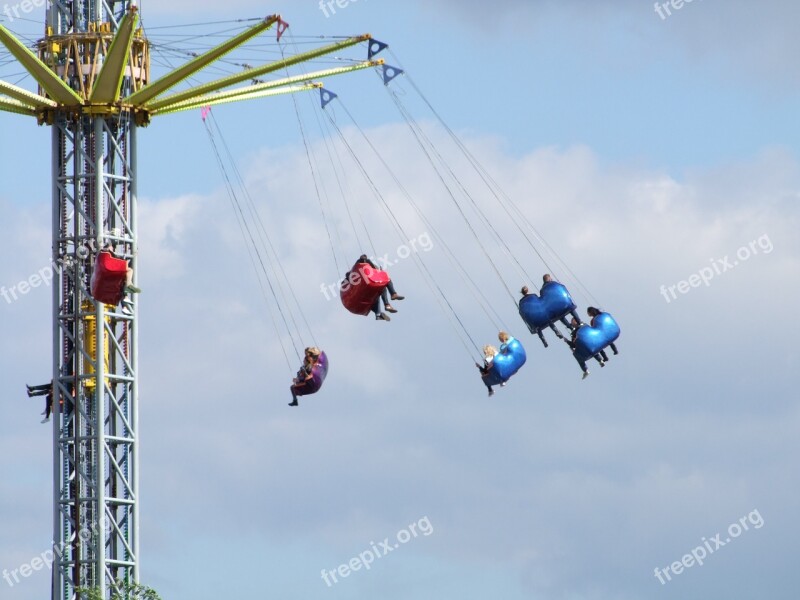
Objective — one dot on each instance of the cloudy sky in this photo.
(644, 150)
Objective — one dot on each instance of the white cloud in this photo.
(624, 232)
(537, 480)
(163, 225)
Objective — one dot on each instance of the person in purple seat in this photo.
(305, 373)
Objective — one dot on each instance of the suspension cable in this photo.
(485, 305)
(248, 235)
(500, 195)
(272, 255)
(430, 279)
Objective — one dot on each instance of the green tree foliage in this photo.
(127, 591)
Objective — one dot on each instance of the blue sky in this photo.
(644, 149)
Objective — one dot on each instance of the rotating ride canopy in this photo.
(95, 88)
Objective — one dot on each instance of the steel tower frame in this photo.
(95, 441)
(95, 90)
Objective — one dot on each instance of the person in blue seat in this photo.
(547, 278)
(388, 292)
(572, 343)
(489, 352)
(505, 340)
(594, 313)
(525, 292)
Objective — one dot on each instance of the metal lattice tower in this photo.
(95, 516)
(95, 90)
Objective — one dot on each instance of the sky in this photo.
(644, 150)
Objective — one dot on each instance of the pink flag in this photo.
(282, 27)
(204, 112)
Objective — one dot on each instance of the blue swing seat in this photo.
(593, 339)
(552, 304)
(507, 362)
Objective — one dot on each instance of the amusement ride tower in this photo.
(95, 89)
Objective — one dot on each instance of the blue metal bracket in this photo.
(390, 73)
(375, 47)
(326, 97)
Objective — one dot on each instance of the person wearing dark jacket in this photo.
(594, 313)
(46, 389)
(573, 342)
(388, 292)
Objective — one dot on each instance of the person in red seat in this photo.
(129, 287)
(376, 308)
(305, 373)
(388, 292)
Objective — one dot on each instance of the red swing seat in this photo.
(108, 278)
(361, 288)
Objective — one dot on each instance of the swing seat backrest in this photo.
(506, 363)
(362, 287)
(108, 278)
(593, 339)
(541, 311)
(318, 374)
